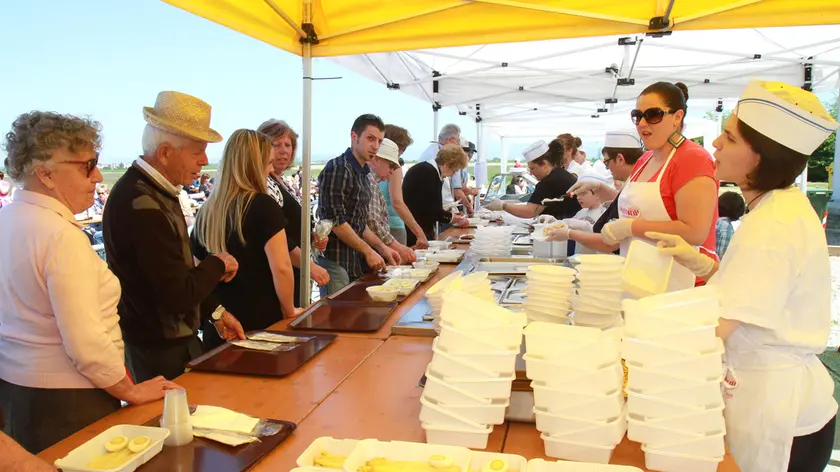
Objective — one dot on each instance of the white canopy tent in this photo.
(588, 85)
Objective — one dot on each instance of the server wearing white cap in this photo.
(774, 283)
(545, 161)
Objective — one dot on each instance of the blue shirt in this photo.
(394, 220)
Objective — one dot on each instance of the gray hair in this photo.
(36, 134)
(153, 138)
(449, 131)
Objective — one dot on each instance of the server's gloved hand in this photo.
(617, 230)
(682, 252)
(546, 220)
(580, 225)
(494, 205)
(558, 234)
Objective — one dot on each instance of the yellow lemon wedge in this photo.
(139, 443)
(440, 461)
(116, 444)
(496, 465)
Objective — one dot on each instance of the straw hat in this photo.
(388, 150)
(182, 114)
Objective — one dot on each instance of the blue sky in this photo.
(109, 58)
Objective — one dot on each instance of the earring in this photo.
(676, 139)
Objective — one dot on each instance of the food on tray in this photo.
(329, 461)
(467, 237)
(496, 465)
(120, 450)
(380, 289)
(549, 229)
(624, 385)
(380, 464)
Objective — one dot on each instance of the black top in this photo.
(610, 214)
(148, 249)
(251, 296)
(422, 195)
(556, 185)
(294, 219)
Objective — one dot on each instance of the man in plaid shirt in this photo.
(345, 196)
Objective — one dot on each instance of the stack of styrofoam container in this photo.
(468, 382)
(577, 378)
(493, 241)
(549, 292)
(434, 296)
(599, 292)
(675, 405)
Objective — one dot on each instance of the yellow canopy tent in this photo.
(341, 27)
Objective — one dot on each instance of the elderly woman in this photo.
(61, 351)
(422, 190)
(283, 147)
(774, 284)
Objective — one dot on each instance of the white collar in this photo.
(45, 201)
(174, 190)
(437, 168)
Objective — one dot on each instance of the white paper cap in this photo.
(538, 149)
(464, 142)
(786, 114)
(625, 138)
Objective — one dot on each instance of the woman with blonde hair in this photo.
(240, 218)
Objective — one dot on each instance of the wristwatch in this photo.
(217, 313)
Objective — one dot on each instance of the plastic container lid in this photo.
(646, 270)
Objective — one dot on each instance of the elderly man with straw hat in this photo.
(164, 293)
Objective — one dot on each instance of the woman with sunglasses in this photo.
(672, 188)
(61, 350)
(242, 219)
(774, 285)
(283, 147)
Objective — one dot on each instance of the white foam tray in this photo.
(652, 408)
(670, 462)
(494, 388)
(555, 400)
(576, 451)
(403, 451)
(339, 447)
(78, 459)
(463, 437)
(539, 465)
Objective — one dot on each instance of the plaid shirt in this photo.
(345, 195)
(724, 231)
(378, 217)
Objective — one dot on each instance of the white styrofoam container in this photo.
(493, 389)
(571, 378)
(652, 409)
(576, 451)
(606, 296)
(585, 301)
(480, 459)
(463, 310)
(339, 447)
(566, 290)
(479, 414)
(539, 465)
(697, 306)
(596, 260)
(642, 326)
(549, 308)
(553, 399)
(500, 336)
(707, 393)
(708, 446)
(669, 361)
(592, 357)
(604, 434)
(443, 392)
(671, 462)
(649, 433)
(431, 413)
(463, 437)
(646, 269)
(651, 353)
(641, 379)
(403, 451)
(695, 339)
(498, 361)
(539, 317)
(701, 422)
(455, 341)
(445, 365)
(548, 341)
(78, 459)
(595, 320)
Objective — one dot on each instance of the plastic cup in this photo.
(176, 418)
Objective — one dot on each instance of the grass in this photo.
(110, 176)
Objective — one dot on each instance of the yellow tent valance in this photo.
(356, 26)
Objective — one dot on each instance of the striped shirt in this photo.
(378, 217)
(345, 195)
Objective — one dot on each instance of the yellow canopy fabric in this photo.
(361, 26)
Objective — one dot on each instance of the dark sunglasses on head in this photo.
(652, 115)
(88, 165)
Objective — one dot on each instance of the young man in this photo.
(148, 248)
(345, 195)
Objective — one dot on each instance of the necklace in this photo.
(749, 205)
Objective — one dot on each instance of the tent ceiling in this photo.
(359, 26)
(508, 85)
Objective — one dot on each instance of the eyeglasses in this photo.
(652, 115)
(88, 165)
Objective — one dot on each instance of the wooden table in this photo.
(362, 386)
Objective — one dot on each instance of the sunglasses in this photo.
(89, 166)
(652, 115)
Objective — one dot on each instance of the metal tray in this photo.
(510, 265)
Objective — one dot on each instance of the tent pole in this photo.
(504, 156)
(835, 181)
(306, 164)
(435, 125)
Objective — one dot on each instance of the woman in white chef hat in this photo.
(774, 285)
(546, 163)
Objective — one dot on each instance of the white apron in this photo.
(644, 200)
(763, 389)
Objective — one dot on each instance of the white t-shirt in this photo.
(776, 280)
(589, 215)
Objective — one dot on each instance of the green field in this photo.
(110, 176)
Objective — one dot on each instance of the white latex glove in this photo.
(546, 220)
(617, 230)
(683, 253)
(494, 205)
(558, 235)
(604, 192)
(580, 225)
